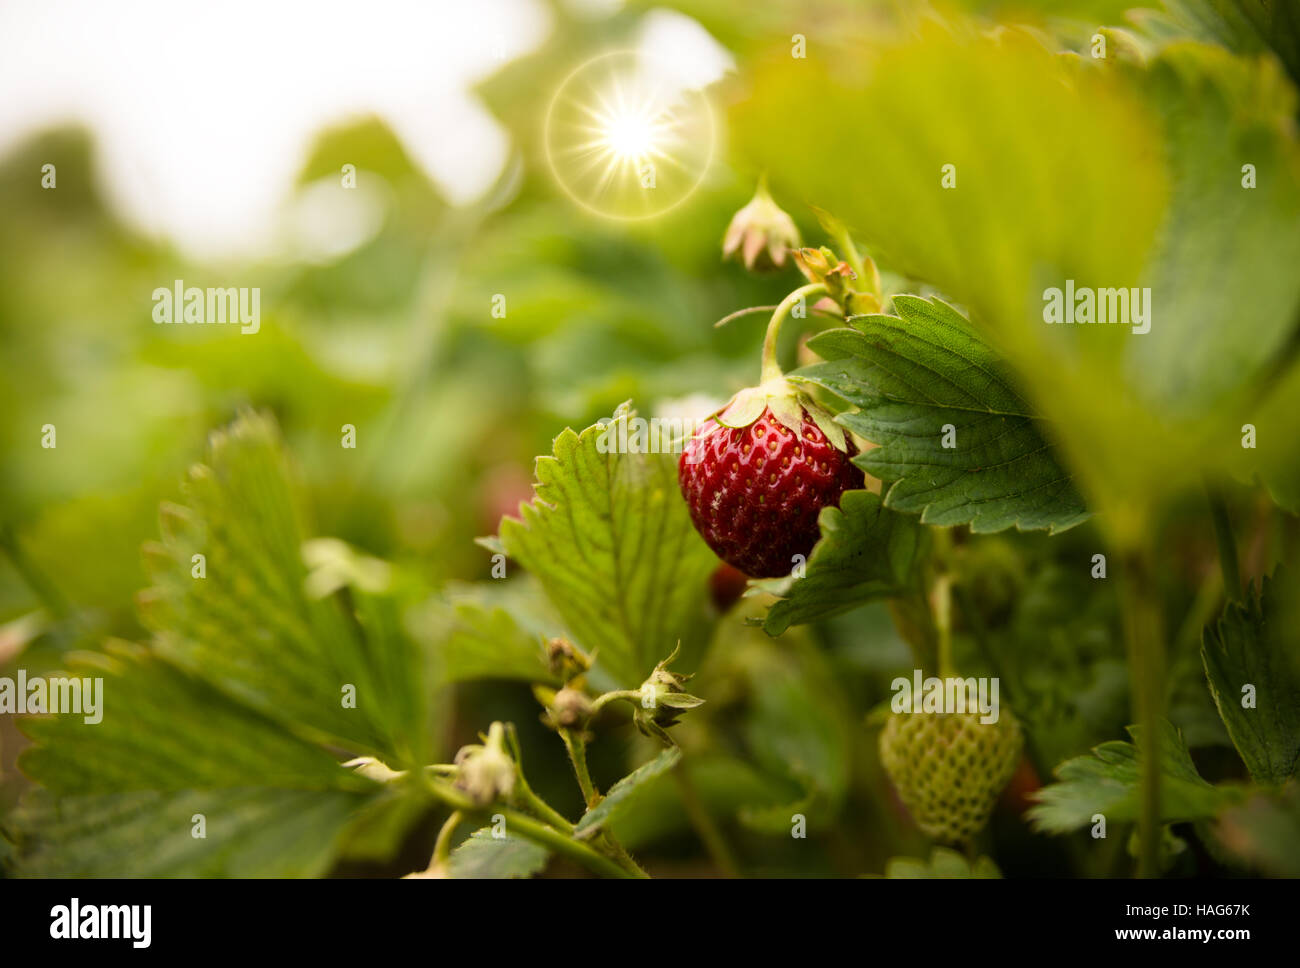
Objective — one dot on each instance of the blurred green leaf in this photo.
(1251, 646)
(253, 628)
(1060, 655)
(238, 702)
(1243, 26)
(1068, 168)
(1106, 782)
(799, 727)
(476, 641)
(912, 374)
(726, 785)
(121, 794)
(251, 832)
(1264, 831)
(165, 729)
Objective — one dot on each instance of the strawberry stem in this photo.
(772, 369)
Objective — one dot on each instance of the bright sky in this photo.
(203, 113)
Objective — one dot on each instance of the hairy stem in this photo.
(941, 603)
(771, 369)
(1227, 544)
(528, 828)
(577, 748)
(1008, 684)
(442, 847)
(525, 793)
(622, 857)
(1144, 638)
(915, 624)
(604, 699)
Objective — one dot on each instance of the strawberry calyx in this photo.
(789, 405)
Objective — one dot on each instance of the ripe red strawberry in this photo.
(755, 490)
(757, 475)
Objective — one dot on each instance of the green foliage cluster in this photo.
(304, 700)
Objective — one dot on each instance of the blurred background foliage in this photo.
(1102, 172)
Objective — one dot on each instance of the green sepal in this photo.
(789, 407)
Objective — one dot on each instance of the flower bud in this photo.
(373, 769)
(570, 708)
(761, 232)
(663, 700)
(487, 773)
(565, 659)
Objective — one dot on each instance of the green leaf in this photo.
(624, 792)
(121, 795)
(1246, 26)
(235, 710)
(164, 729)
(1224, 249)
(611, 541)
(1111, 174)
(777, 819)
(914, 374)
(943, 862)
(485, 856)
(726, 784)
(1252, 646)
(1106, 782)
(251, 832)
(250, 625)
(866, 551)
(477, 641)
(680, 700)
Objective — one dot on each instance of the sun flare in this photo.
(626, 139)
(628, 135)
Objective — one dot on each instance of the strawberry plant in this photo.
(923, 581)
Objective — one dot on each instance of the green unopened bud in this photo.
(814, 263)
(487, 773)
(566, 660)
(570, 709)
(663, 700)
(373, 769)
(761, 232)
(823, 266)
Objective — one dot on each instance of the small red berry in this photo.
(726, 586)
(755, 491)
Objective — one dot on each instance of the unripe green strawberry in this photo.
(949, 768)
